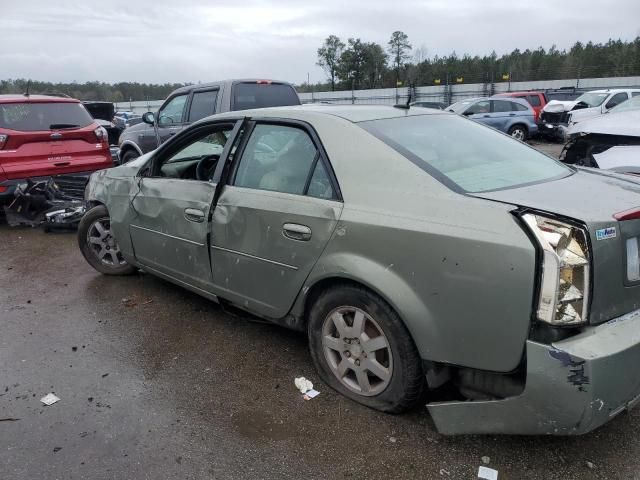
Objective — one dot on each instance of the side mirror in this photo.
(149, 118)
(468, 113)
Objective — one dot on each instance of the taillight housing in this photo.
(3, 140)
(102, 135)
(565, 280)
(631, 214)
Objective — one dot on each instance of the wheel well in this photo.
(519, 125)
(325, 284)
(93, 203)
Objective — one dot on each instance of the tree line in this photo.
(117, 92)
(357, 64)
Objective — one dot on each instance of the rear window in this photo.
(484, 160)
(31, 117)
(262, 95)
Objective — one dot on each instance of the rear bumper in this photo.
(572, 387)
(72, 184)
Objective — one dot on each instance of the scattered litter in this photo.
(311, 394)
(444, 472)
(303, 384)
(9, 419)
(49, 399)
(104, 375)
(75, 349)
(486, 460)
(590, 465)
(56, 449)
(487, 473)
(393, 439)
(90, 399)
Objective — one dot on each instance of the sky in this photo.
(158, 41)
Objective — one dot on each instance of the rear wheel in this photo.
(519, 132)
(362, 349)
(98, 246)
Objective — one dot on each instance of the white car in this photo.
(557, 115)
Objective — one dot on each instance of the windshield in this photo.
(32, 117)
(460, 106)
(631, 104)
(465, 155)
(262, 95)
(592, 99)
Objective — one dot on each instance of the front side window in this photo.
(33, 117)
(173, 111)
(203, 105)
(277, 158)
(617, 99)
(203, 150)
(485, 160)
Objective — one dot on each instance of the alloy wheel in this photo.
(103, 245)
(357, 350)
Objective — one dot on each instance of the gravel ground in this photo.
(156, 382)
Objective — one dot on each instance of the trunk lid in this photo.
(592, 197)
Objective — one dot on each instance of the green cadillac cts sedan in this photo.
(428, 258)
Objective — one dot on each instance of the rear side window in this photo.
(203, 105)
(33, 117)
(262, 95)
(518, 107)
(534, 100)
(502, 106)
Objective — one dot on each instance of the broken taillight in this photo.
(3, 141)
(101, 134)
(631, 214)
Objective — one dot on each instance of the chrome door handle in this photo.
(296, 232)
(194, 215)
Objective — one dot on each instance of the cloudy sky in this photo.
(160, 41)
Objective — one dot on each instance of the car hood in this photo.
(622, 123)
(582, 114)
(558, 106)
(592, 197)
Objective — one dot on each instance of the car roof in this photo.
(522, 92)
(15, 98)
(352, 113)
(220, 83)
(613, 90)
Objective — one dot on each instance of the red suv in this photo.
(537, 100)
(45, 136)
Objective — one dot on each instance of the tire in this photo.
(519, 132)
(405, 384)
(103, 252)
(129, 155)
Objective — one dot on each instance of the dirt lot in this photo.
(156, 382)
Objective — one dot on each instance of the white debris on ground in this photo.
(486, 460)
(487, 473)
(49, 399)
(303, 384)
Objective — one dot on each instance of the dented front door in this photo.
(169, 228)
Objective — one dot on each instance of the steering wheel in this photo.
(205, 167)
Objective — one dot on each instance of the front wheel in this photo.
(98, 246)
(362, 349)
(519, 132)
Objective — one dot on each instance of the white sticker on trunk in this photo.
(605, 233)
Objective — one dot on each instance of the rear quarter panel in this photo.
(459, 271)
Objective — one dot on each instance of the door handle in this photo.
(512, 114)
(194, 215)
(486, 116)
(295, 231)
(61, 164)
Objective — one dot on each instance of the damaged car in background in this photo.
(48, 147)
(557, 115)
(610, 141)
(423, 269)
